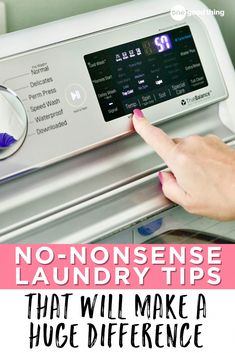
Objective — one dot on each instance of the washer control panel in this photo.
(146, 72)
(66, 98)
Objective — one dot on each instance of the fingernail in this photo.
(160, 176)
(138, 113)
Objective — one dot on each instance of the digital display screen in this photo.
(145, 72)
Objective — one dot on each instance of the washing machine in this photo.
(72, 170)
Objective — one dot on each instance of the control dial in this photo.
(13, 123)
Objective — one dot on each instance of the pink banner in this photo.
(117, 266)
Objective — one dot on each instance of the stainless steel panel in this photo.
(95, 194)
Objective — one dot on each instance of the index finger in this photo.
(154, 137)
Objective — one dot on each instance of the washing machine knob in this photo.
(13, 123)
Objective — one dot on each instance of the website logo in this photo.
(179, 12)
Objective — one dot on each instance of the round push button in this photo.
(13, 123)
(75, 95)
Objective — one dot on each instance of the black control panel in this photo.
(145, 72)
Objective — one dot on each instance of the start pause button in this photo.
(75, 95)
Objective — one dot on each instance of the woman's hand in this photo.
(202, 177)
